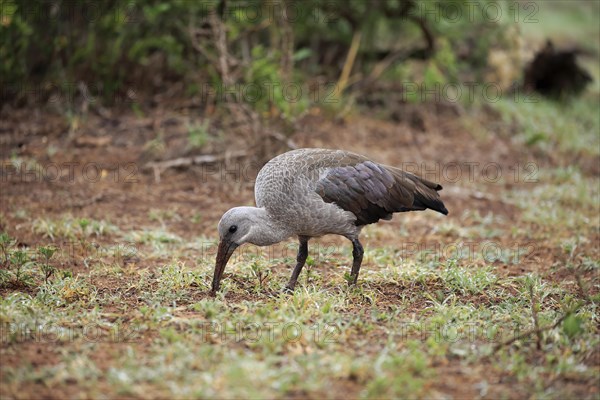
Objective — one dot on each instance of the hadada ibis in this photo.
(314, 192)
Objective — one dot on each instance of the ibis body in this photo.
(314, 192)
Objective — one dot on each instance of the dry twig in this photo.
(159, 166)
(539, 330)
(534, 313)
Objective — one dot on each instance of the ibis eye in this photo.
(232, 228)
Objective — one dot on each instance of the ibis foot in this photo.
(288, 290)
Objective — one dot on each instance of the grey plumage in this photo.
(313, 192)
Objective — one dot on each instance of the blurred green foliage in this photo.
(117, 48)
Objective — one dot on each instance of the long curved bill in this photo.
(224, 252)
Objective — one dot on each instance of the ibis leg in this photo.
(300, 260)
(357, 254)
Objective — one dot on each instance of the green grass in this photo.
(71, 228)
(562, 197)
(572, 126)
(418, 317)
(556, 19)
(385, 337)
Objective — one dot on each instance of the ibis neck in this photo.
(266, 230)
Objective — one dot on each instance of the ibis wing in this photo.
(373, 192)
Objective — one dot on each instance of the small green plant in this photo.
(47, 252)
(310, 263)
(348, 277)
(198, 134)
(18, 259)
(196, 218)
(13, 258)
(83, 224)
(260, 273)
(573, 326)
(6, 243)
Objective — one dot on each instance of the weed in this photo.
(47, 252)
(6, 243)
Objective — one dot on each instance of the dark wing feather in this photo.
(373, 192)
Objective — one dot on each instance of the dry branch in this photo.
(159, 166)
(283, 139)
(356, 38)
(86, 202)
(534, 313)
(539, 331)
